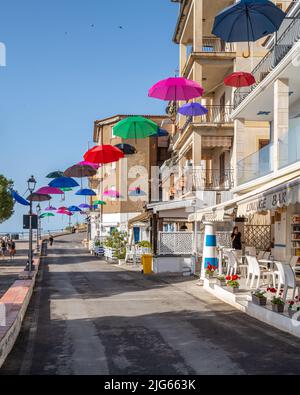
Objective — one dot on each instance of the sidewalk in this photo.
(10, 270)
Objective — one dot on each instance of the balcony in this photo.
(212, 180)
(256, 165)
(289, 148)
(284, 44)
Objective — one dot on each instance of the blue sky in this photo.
(68, 63)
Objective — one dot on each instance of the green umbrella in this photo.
(55, 174)
(45, 215)
(99, 203)
(66, 189)
(135, 128)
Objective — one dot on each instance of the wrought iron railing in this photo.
(212, 180)
(280, 49)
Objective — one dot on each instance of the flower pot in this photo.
(221, 283)
(278, 308)
(233, 290)
(209, 276)
(122, 262)
(259, 301)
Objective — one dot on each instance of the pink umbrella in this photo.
(64, 212)
(175, 89)
(85, 163)
(112, 193)
(49, 191)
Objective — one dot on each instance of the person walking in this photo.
(236, 238)
(51, 241)
(3, 248)
(12, 249)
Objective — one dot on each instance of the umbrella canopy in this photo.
(137, 192)
(193, 110)
(85, 206)
(19, 199)
(66, 189)
(49, 191)
(176, 89)
(64, 212)
(135, 128)
(64, 182)
(127, 149)
(104, 154)
(37, 197)
(99, 203)
(80, 171)
(50, 208)
(239, 80)
(161, 133)
(85, 163)
(55, 174)
(47, 215)
(85, 192)
(248, 20)
(74, 209)
(112, 193)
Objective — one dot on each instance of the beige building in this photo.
(134, 171)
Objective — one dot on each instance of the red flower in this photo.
(228, 278)
(292, 303)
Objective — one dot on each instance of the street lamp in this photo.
(38, 211)
(31, 187)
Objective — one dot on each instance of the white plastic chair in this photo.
(255, 272)
(240, 266)
(232, 264)
(287, 280)
(251, 251)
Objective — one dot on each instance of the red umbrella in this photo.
(240, 79)
(104, 154)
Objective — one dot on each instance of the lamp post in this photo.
(31, 187)
(38, 211)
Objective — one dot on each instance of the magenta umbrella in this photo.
(64, 212)
(85, 163)
(176, 89)
(112, 193)
(49, 191)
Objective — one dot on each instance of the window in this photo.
(112, 133)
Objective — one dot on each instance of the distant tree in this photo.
(6, 200)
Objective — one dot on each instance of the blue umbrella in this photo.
(161, 133)
(85, 192)
(248, 20)
(85, 206)
(74, 209)
(19, 199)
(193, 110)
(137, 193)
(63, 182)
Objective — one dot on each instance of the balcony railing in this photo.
(256, 165)
(214, 44)
(289, 148)
(284, 44)
(212, 180)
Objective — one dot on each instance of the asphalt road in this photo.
(88, 317)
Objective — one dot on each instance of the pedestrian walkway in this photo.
(10, 270)
(90, 317)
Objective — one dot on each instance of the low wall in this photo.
(172, 264)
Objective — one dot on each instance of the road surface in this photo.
(92, 318)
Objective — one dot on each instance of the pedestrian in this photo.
(51, 241)
(12, 249)
(3, 248)
(236, 238)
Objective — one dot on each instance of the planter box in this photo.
(221, 283)
(278, 308)
(259, 301)
(233, 290)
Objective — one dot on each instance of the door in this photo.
(222, 108)
(222, 169)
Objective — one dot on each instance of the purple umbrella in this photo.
(85, 163)
(193, 110)
(51, 208)
(85, 206)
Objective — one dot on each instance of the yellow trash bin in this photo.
(147, 264)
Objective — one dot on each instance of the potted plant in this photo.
(233, 284)
(278, 304)
(294, 308)
(221, 281)
(259, 298)
(210, 271)
(122, 256)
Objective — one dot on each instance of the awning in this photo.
(277, 197)
(140, 218)
(216, 141)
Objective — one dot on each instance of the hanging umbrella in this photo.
(112, 193)
(50, 208)
(19, 199)
(248, 20)
(85, 163)
(85, 206)
(99, 203)
(49, 191)
(137, 192)
(127, 149)
(85, 192)
(193, 110)
(64, 212)
(36, 197)
(47, 215)
(104, 154)
(239, 80)
(66, 189)
(62, 208)
(63, 182)
(176, 89)
(80, 171)
(55, 174)
(74, 209)
(135, 128)
(161, 133)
